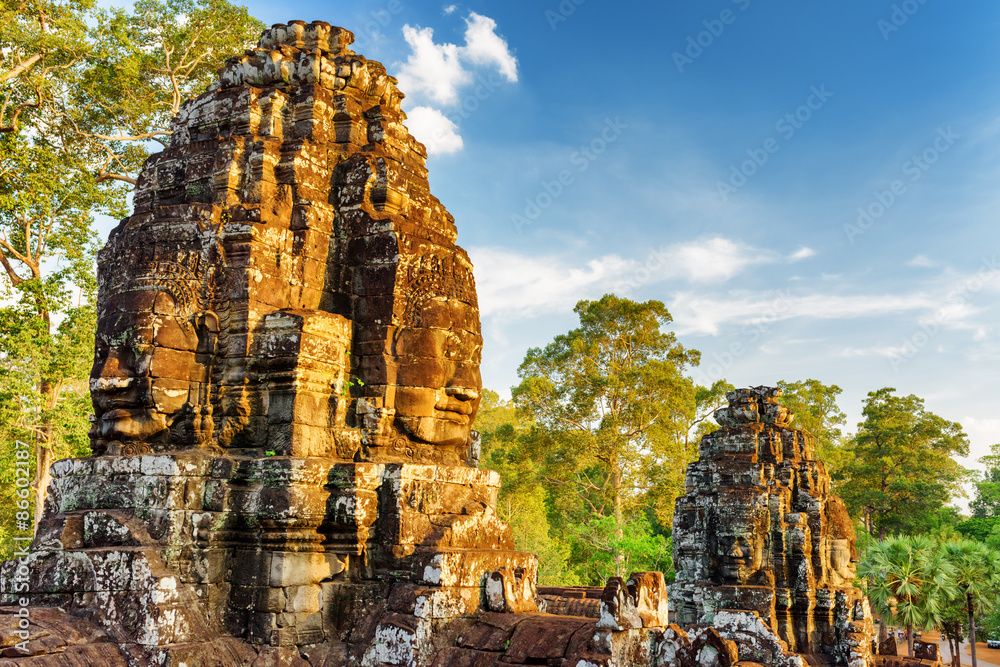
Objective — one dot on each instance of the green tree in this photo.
(524, 502)
(991, 625)
(975, 573)
(606, 401)
(987, 500)
(143, 65)
(978, 529)
(665, 474)
(41, 43)
(47, 247)
(907, 580)
(898, 472)
(817, 413)
(605, 549)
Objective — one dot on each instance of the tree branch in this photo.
(22, 67)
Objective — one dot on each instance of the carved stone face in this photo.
(147, 368)
(438, 382)
(741, 543)
(841, 571)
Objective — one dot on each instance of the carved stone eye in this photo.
(453, 346)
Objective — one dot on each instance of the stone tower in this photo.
(759, 532)
(285, 379)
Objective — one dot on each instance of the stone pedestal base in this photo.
(169, 550)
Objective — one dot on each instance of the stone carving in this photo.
(762, 546)
(155, 345)
(292, 185)
(285, 378)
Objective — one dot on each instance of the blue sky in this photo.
(718, 156)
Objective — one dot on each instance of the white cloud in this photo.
(525, 286)
(887, 351)
(483, 46)
(713, 260)
(438, 70)
(922, 261)
(707, 314)
(982, 432)
(435, 130)
(709, 260)
(522, 286)
(801, 253)
(434, 74)
(431, 69)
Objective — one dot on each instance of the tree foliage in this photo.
(47, 249)
(975, 571)
(609, 401)
(898, 471)
(41, 45)
(145, 63)
(83, 91)
(817, 413)
(925, 581)
(987, 500)
(908, 581)
(979, 529)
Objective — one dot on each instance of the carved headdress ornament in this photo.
(433, 276)
(189, 269)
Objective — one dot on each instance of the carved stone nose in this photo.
(735, 550)
(110, 383)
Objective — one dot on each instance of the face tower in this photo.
(759, 533)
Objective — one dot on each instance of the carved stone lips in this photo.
(455, 411)
(112, 415)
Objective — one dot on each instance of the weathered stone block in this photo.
(297, 568)
(302, 599)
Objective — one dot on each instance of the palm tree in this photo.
(907, 579)
(976, 575)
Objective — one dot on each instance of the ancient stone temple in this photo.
(284, 470)
(759, 539)
(764, 552)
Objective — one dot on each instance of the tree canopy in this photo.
(898, 472)
(817, 413)
(986, 502)
(84, 94)
(612, 398)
